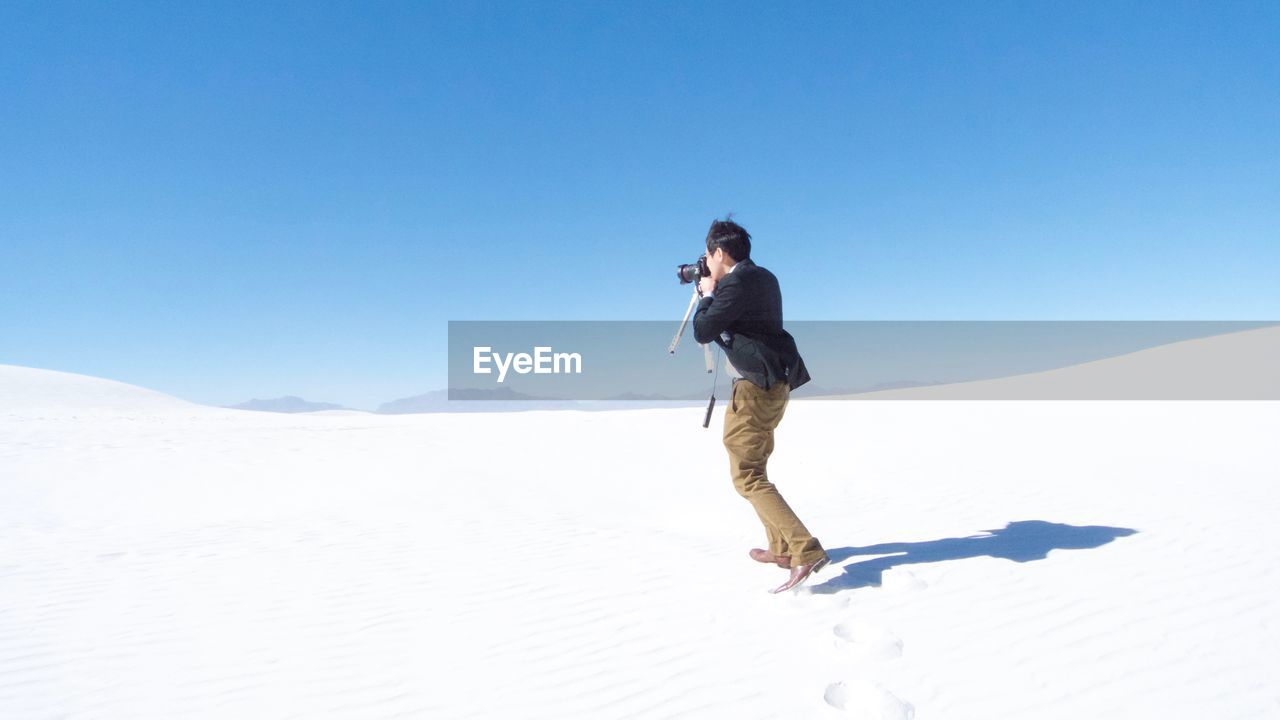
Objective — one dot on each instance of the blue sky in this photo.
(225, 201)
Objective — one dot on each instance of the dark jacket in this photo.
(747, 308)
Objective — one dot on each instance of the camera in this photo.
(693, 271)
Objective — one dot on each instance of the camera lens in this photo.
(688, 273)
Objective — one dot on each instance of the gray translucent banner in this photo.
(626, 362)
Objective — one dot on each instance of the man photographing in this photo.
(741, 311)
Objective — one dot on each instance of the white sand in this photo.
(160, 559)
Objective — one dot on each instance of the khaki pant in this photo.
(749, 421)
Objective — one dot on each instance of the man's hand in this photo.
(706, 285)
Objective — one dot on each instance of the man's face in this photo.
(716, 263)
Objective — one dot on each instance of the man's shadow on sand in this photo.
(1021, 541)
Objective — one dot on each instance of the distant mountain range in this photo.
(286, 404)
(507, 400)
(497, 400)
(1231, 366)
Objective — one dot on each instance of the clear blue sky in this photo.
(225, 201)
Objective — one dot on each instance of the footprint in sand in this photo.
(902, 581)
(868, 701)
(867, 642)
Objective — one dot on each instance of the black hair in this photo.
(731, 236)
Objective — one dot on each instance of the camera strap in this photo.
(715, 377)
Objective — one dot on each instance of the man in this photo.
(741, 310)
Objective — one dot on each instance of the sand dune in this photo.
(33, 392)
(1234, 366)
(1036, 560)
